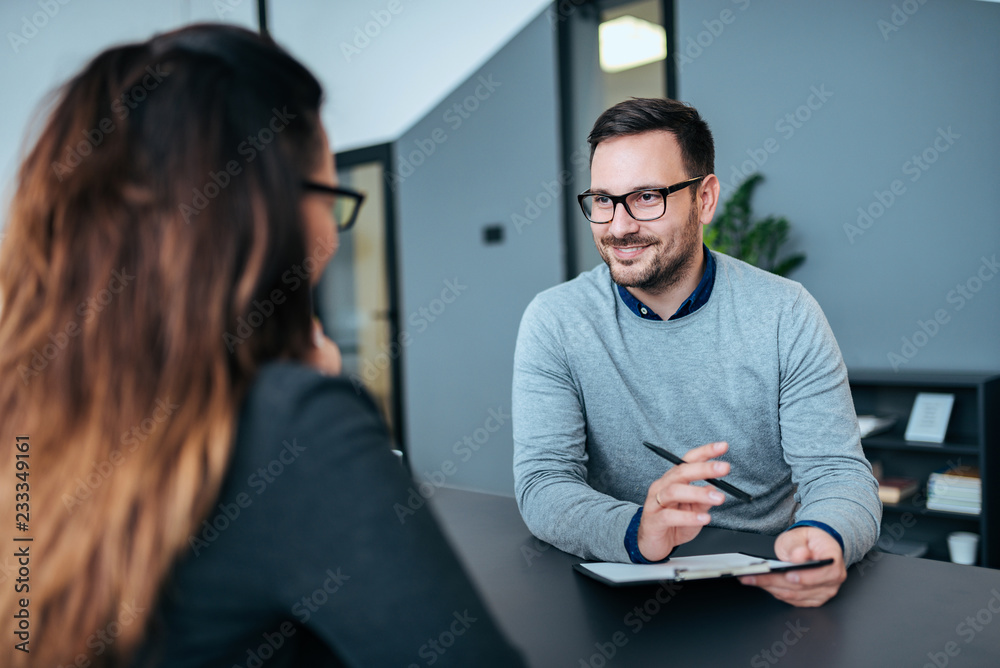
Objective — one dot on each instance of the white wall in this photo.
(47, 41)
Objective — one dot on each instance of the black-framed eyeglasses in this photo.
(346, 202)
(648, 204)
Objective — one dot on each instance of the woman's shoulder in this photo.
(289, 400)
(284, 389)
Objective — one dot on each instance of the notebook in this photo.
(683, 569)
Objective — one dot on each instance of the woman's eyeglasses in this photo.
(346, 202)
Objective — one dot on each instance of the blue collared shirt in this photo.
(695, 301)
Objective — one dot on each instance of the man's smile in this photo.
(628, 252)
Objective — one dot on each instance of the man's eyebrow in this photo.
(602, 191)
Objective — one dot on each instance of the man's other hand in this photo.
(807, 588)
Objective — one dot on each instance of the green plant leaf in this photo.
(735, 232)
(789, 264)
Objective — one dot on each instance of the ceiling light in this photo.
(628, 42)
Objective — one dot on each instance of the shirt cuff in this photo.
(819, 525)
(632, 541)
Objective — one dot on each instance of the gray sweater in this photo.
(756, 366)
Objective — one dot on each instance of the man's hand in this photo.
(806, 588)
(675, 510)
(325, 356)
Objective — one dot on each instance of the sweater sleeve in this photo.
(356, 561)
(819, 431)
(550, 456)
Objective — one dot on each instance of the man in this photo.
(670, 343)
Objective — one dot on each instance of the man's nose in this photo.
(622, 223)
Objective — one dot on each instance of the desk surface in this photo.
(895, 611)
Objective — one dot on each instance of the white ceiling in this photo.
(420, 55)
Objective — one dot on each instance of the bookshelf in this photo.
(973, 438)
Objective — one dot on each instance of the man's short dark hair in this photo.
(637, 115)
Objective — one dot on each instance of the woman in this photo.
(199, 493)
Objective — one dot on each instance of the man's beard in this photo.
(662, 271)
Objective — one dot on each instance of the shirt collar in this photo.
(695, 301)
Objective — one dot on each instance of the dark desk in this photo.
(897, 611)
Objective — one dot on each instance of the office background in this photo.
(874, 124)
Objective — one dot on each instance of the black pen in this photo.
(721, 484)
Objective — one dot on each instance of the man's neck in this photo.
(666, 303)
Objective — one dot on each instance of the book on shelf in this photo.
(958, 480)
(936, 488)
(967, 475)
(894, 490)
(958, 489)
(954, 506)
(875, 424)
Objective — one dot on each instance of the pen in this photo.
(721, 484)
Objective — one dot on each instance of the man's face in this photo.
(652, 255)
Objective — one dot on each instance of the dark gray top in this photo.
(305, 555)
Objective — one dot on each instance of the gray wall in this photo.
(457, 358)
(893, 92)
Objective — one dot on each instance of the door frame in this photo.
(383, 154)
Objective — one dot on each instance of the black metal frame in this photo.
(563, 49)
(667, 12)
(262, 16)
(383, 153)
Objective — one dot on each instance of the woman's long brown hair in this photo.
(160, 200)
